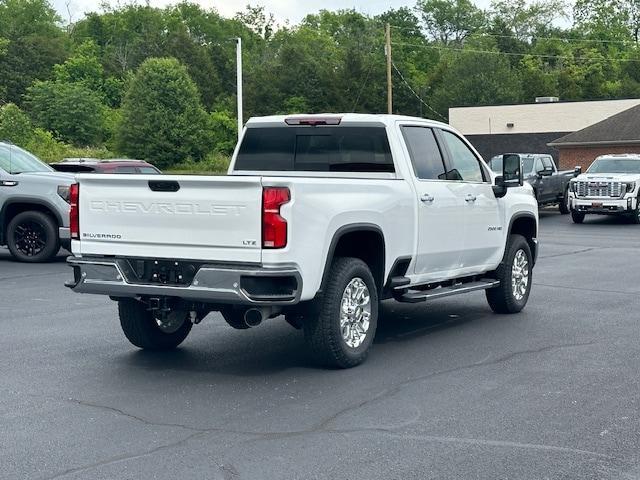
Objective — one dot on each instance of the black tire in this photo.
(141, 328)
(577, 217)
(234, 317)
(322, 331)
(502, 299)
(33, 237)
(563, 206)
(635, 216)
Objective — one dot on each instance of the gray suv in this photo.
(34, 208)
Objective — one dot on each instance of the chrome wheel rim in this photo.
(170, 322)
(355, 313)
(520, 275)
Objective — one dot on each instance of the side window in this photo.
(425, 153)
(539, 166)
(464, 164)
(126, 170)
(547, 162)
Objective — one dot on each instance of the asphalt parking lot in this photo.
(450, 390)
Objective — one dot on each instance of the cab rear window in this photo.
(315, 149)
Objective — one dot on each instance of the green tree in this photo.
(15, 125)
(35, 44)
(450, 21)
(162, 118)
(72, 111)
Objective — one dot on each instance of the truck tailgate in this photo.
(214, 219)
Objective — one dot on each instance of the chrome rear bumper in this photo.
(234, 284)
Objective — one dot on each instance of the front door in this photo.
(483, 227)
(440, 208)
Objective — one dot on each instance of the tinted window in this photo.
(547, 162)
(527, 165)
(315, 149)
(425, 153)
(147, 170)
(464, 164)
(125, 170)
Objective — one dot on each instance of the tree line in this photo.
(159, 83)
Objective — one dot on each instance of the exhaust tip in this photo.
(253, 317)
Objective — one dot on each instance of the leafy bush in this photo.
(162, 118)
(72, 111)
(214, 163)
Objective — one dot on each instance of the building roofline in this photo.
(599, 143)
(546, 103)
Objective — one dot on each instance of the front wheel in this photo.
(515, 275)
(32, 237)
(635, 216)
(563, 206)
(577, 217)
(340, 335)
(148, 330)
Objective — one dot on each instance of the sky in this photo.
(283, 10)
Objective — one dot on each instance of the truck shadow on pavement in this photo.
(258, 352)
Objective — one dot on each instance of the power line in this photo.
(537, 37)
(512, 54)
(415, 94)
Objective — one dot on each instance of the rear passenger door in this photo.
(483, 224)
(440, 207)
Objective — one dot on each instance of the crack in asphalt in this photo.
(582, 289)
(323, 426)
(575, 252)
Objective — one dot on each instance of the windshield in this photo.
(15, 160)
(496, 164)
(615, 165)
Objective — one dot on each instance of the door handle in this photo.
(8, 183)
(426, 198)
(470, 198)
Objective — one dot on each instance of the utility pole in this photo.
(389, 62)
(239, 84)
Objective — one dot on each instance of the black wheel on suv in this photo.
(342, 333)
(146, 330)
(32, 237)
(577, 217)
(515, 275)
(563, 206)
(635, 216)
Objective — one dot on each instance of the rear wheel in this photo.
(577, 217)
(32, 237)
(564, 203)
(515, 275)
(151, 331)
(342, 333)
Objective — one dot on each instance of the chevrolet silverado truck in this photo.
(550, 186)
(34, 208)
(610, 186)
(319, 218)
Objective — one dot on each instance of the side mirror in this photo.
(546, 172)
(499, 189)
(577, 170)
(512, 171)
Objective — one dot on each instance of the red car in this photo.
(96, 165)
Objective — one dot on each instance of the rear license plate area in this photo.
(596, 204)
(161, 272)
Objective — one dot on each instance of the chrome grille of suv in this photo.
(599, 189)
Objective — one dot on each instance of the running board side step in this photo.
(416, 296)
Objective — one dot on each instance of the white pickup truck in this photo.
(319, 219)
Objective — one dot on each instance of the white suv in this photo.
(608, 187)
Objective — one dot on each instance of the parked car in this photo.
(610, 186)
(319, 219)
(34, 208)
(549, 185)
(95, 165)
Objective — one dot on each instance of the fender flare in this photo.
(27, 201)
(341, 232)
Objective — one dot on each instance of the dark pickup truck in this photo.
(539, 170)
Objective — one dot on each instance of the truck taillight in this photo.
(274, 227)
(74, 213)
